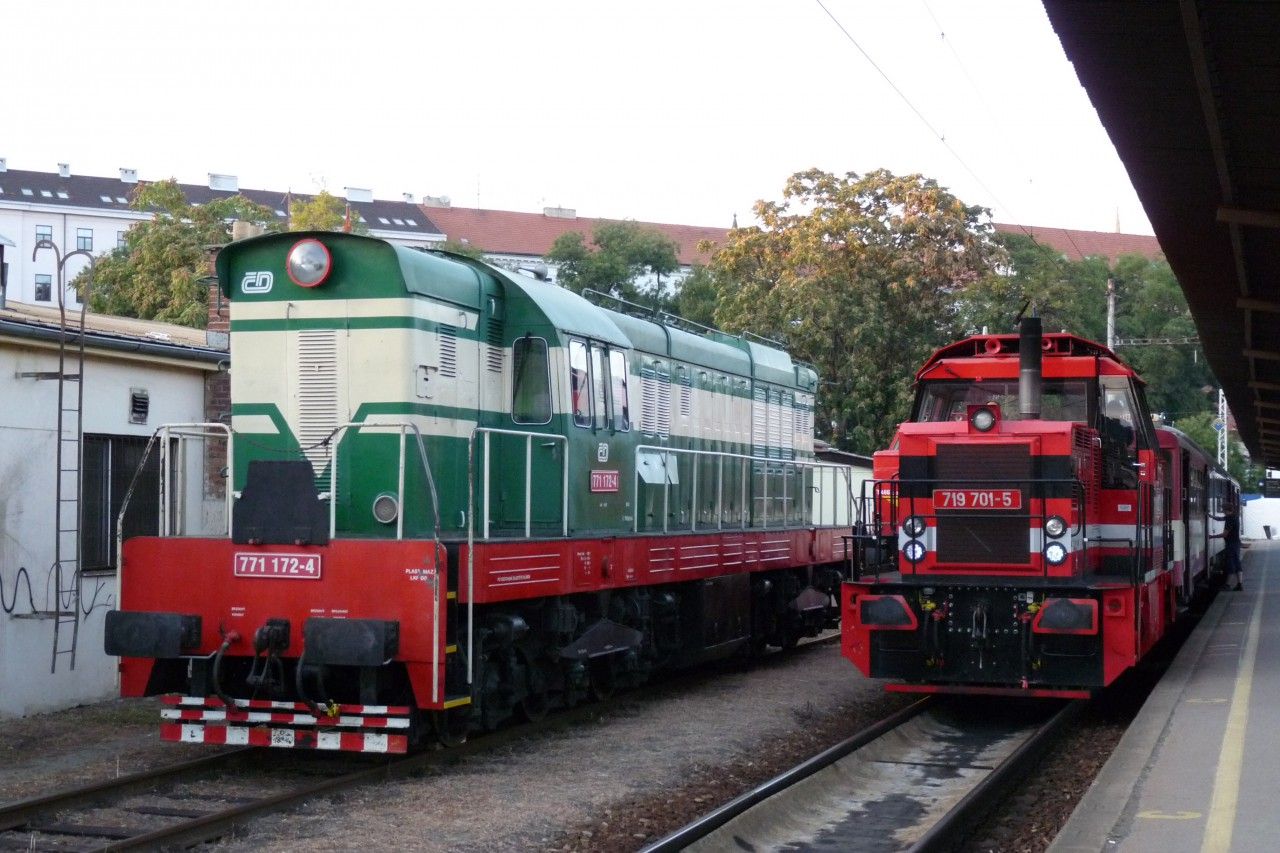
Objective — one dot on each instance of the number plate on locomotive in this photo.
(264, 565)
(977, 499)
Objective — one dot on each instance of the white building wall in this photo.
(28, 423)
(19, 221)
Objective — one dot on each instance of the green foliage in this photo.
(458, 247)
(323, 212)
(1065, 294)
(1150, 304)
(156, 275)
(619, 255)
(696, 299)
(859, 274)
(1072, 296)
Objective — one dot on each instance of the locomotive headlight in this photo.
(309, 263)
(1055, 526)
(983, 419)
(914, 527)
(913, 550)
(1055, 553)
(386, 507)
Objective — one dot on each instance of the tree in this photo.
(859, 275)
(1072, 296)
(696, 298)
(1066, 295)
(323, 212)
(157, 274)
(619, 259)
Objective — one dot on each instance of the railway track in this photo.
(913, 782)
(203, 799)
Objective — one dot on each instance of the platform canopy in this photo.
(1190, 95)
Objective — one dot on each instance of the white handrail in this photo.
(528, 437)
(743, 459)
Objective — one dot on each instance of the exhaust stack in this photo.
(1030, 375)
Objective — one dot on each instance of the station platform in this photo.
(1199, 769)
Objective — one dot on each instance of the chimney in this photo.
(226, 183)
(241, 230)
(407, 197)
(560, 212)
(358, 194)
(4, 165)
(64, 170)
(128, 176)
(1030, 382)
(436, 201)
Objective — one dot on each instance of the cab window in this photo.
(531, 385)
(618, 379)
(579, 383)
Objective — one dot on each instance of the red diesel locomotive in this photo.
(1034, 533)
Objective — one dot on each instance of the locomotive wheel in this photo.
(536, 702)
(604, 678)
(452, 725)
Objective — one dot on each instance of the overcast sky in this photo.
(683, 111)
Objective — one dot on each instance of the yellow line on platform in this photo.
(1226, 782)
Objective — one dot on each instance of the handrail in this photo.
(333, 440)
(528, 436)
(184, 430)
(744, 459)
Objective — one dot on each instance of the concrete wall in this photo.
(1259, 514)
(28, 421)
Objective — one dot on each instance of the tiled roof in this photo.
(113, 194)
(1082, 244)
(505, 232)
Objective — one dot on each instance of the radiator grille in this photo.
(984, 536)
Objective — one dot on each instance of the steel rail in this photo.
(712, 821)
(973, 805)
(19, 813)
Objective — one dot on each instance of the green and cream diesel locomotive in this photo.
(459, 494)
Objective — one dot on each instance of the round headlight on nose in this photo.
(1055, 553)
(1055, 526)
(914, 527)
(914, 550)
(309, 263)
(983, 419)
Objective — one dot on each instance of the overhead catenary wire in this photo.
(941, 137)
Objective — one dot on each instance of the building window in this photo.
(120, 240)
(44, 232)
(84, 239)
(44, 288)
(110, 462)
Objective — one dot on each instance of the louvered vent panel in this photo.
(983, 537)
(775, 426)
(493, 341)
(317, 394)
(448, 350)
(648, 401)
(686, 397)
(788, 427)
(759, 423)
(664, 405)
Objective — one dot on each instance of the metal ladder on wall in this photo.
(65, 573)
(66, 548)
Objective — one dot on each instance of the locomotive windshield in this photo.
(1061, 399)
